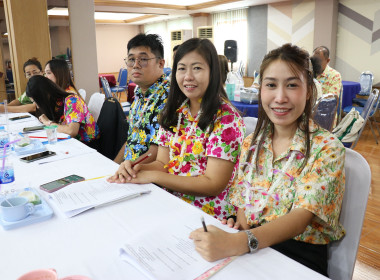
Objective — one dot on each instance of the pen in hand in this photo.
(144, 158)
(204, 224)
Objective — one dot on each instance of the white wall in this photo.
(111, 42)
(60, 40)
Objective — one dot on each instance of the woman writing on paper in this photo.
(200, 135)
(68, 111)
(290, 182)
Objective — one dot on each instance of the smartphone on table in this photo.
(37, 156)
(33, 128)
(60, 183)
(19, 117)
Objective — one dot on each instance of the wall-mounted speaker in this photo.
(230, 50)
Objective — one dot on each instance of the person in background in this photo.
(174, 52)
(330, 79)
(317, 71)
(145, 62)
(223, 65)
(23, 104)
(290, 184)
(66, 110)
(57, 70)
(200, 134)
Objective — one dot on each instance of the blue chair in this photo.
(106, 87)
(366, 81)
(324, 111)
(167, 71)
(121, 83)
(366, 112)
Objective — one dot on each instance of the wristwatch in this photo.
(253, 243)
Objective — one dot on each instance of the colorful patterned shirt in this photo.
(319, 187)
(24, 100)
(331, 81)
(75, 110)
(143, 118)
(223, 142)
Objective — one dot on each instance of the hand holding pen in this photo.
(126, 171)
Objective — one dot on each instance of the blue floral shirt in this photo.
(143, 118)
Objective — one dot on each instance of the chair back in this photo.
(106, 87)
(250, 125)
(342, 253)
(365, 80)
(375, 104)
(372, 99)
(324, 111)
(95, 104)
(82, 93)
(123, 78)
(339, 110)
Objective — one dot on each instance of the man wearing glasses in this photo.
(23, 104)
(145, 62)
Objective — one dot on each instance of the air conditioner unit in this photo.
(205, 32)
(177, 37)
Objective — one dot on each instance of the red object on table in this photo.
(110, 78)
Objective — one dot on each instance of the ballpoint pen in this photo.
(204, 224)
(144, 158)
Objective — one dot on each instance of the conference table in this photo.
(88, 244)
(350, 90)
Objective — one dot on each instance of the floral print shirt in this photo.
(319, 187)
(331, 81)
(143, 118)
(75, 110)
(24, 99)
(223, 142)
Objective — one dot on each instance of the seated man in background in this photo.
(330, 79)
(145, 62)
(23, 104)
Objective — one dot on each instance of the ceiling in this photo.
(145, 11)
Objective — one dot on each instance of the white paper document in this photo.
(79, 197)
(166, 252)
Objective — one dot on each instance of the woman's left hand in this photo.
(216, 244)
(44, 120)
(144, 177)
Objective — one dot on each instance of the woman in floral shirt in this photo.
(290, 183)
(68, 111)
(200, 135)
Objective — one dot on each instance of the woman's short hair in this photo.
(299, 63)
(32, 61)
(214, 94)
(48, 96)
(62, 74)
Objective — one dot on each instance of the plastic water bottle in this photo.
(4, 139)
(7, 173)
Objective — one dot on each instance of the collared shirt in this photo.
(318, 188)
(143, 118)
(222, 142)
(331, 81)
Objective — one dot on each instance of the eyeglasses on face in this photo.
(142, 61)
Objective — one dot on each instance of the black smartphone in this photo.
(38, 156)
(19, 118)
(60, 183)
(33, 128)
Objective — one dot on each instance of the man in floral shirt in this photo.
(330, 79)
(145, 63)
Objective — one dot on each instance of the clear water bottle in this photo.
(4, 139)
(7, 173)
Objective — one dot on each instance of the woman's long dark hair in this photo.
(48, 96)
(213, 96)
(62, 74)
(299, 62)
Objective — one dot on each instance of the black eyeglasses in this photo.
(143, 62)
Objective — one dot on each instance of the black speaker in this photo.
(230, 50)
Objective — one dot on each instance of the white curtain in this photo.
(231, 25)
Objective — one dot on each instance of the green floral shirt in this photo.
(24, 100)
(319, 187)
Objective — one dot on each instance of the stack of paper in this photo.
(79, 197)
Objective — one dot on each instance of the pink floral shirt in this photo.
(223, 142)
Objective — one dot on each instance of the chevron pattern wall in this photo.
(358, 44)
